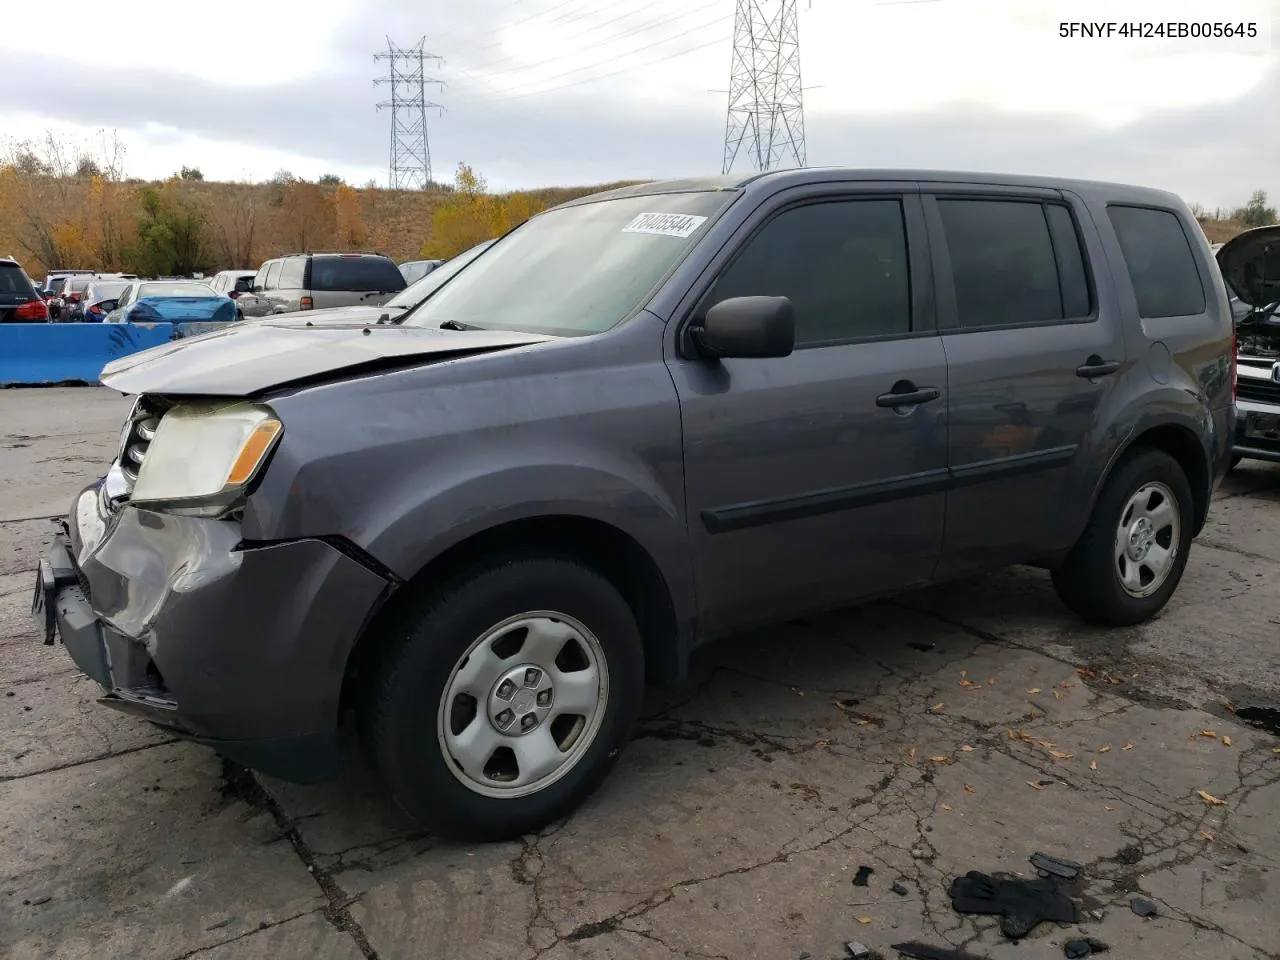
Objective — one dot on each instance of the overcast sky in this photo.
(543, 92)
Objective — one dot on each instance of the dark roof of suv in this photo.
(780, 179)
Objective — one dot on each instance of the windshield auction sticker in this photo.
(665, 224)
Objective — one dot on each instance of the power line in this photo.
(766, 100)
(614, 59)
(410, 166)
(629, 31)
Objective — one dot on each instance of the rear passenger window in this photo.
(291, 273)
(1014, 262)
(355, 274)
(1161, 265)
(273, 272)
(842, 264)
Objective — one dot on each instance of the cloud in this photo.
(581, 91)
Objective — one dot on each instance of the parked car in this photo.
(20, 302)
(415, 270)
(71, 292)
(396, 309)
(100, 298)
(171, 301)
(1250, 263)
(238, 285)
(641, 420)
(314, 281)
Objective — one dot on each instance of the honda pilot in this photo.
(637, 422)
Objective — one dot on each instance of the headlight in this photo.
(204, 454)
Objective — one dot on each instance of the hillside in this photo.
(178, 226)
(184, 225)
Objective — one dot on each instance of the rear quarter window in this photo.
(292, 272)
(1157, 254)
(355, 274)
(13, 281)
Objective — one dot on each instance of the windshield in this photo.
(415, 293)
(578, 270)
(176, 290)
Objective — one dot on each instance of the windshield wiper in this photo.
(458, 325)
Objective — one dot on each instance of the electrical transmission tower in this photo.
(766, 101)
(410, 150)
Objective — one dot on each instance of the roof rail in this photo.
(332, 253)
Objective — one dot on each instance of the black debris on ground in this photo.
(899, 889)
(863, 875)
(1021, 905)
(922, 951)
(1055, 866)
(1083, 947)
(1143, 908)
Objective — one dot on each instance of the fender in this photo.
(1193, 423)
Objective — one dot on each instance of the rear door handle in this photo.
(906, 394)
(1095, 366)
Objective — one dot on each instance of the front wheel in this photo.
(506, 698)
(1131, 556)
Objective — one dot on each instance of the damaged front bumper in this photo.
(242, 647)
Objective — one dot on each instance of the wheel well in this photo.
(606, 549)
(1181, 444)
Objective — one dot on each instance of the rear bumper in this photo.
(242, 648)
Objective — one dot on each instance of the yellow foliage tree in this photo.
(473, 215)
(307, 216)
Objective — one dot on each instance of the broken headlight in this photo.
(204, 455)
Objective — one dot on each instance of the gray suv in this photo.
(317, 281)
(639, 421)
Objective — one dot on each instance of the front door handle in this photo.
(906, 394)
(1095, 366)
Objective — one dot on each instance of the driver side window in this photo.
(843, 264)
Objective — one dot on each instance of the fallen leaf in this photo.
(969, 685)
(1206, 834)
(1127, 746)
(966, 749)
(1211, 799)
(937, 706)
(946, 807)
(1085, 672)
(1060, 755)
(1275, 749)
(1226, 741)
(1105, 807)
(912, 753)
(864, 723)
(1093, 764)
(1066, 684)
(1018, 735)
(864, 920)
(1208, 733)
(991, 681)
(1035, 784)
(969, 789)
(1106, 749)
(819, 744)
(1034, 690)
(1057, 694)
(942, 759)
(964, 673)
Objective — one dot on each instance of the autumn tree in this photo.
(472, 215)
(350, 230)
(234, 223)
(1256, 213)
(306, 215)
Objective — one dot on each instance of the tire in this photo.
(1089, 581)
(412, 729)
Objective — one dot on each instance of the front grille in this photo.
(138, 434)
(1261, 391)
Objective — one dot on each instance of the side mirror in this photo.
(255, 289)
(748, 327)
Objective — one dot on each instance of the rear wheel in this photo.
(507, 698)
(1131, 556)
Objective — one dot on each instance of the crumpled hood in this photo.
(1250, 263)
(248, 358)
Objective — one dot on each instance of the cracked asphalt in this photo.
(960, 728)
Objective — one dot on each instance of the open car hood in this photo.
(248, 358)
(1250, 263)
